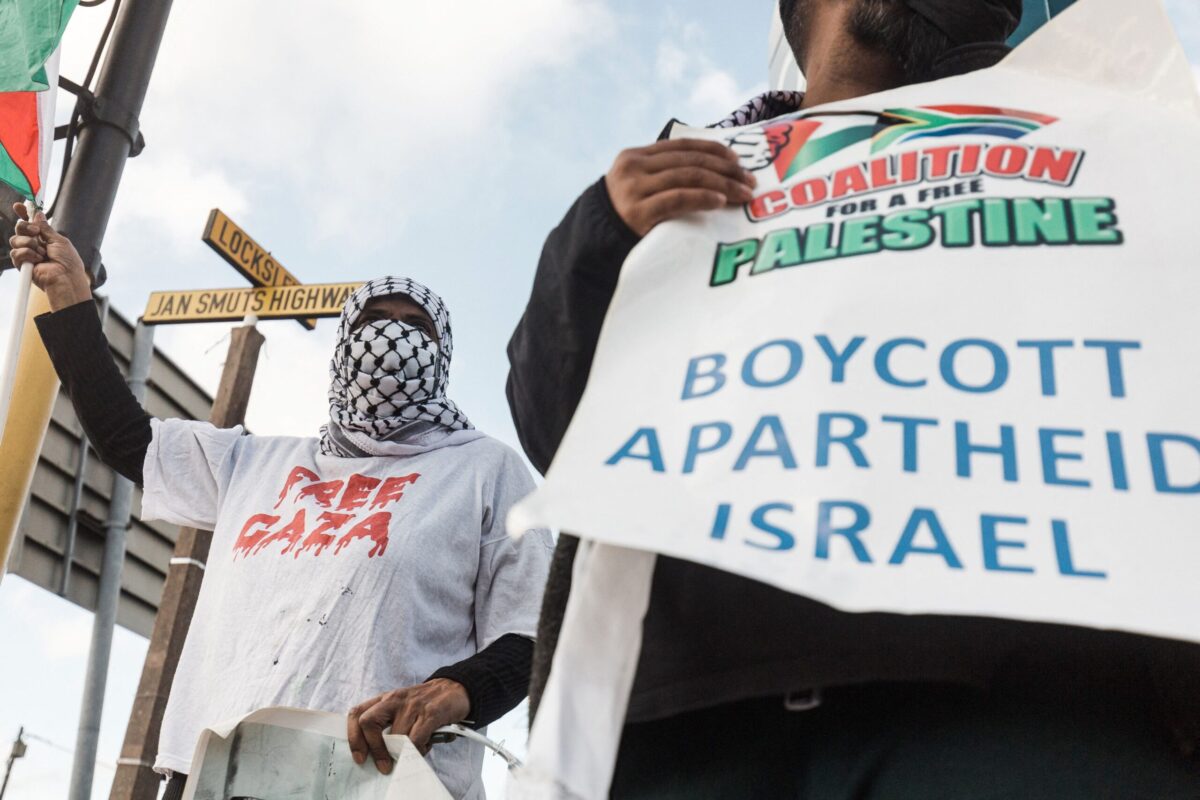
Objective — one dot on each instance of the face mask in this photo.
(387, 366)
(386, 375)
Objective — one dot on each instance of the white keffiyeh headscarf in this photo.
(388, 378)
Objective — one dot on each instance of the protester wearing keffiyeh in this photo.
(388, 377)
(365, 572)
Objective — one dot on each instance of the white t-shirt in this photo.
(331, 580)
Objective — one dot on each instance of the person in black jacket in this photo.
(743, 690)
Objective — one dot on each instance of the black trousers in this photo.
(175, 784)
(914, 742)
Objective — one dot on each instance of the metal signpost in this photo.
(120, 510)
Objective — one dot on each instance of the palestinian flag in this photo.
(30, 31)
(26, 135)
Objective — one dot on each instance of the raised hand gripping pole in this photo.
(8, 379)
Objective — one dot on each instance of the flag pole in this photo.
(9, 379)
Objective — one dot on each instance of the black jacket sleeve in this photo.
(496, 678)
(551, 351)
(551, 355)
(115, 423)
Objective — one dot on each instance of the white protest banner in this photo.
(294, 753)
(946, 362)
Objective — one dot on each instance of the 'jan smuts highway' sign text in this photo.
(229, 305)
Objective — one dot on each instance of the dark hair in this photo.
(886, 26)
(787, 10)
(891, 27)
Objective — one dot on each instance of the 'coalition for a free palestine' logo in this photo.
(869, 202)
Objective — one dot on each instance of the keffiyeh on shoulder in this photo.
(768, 105)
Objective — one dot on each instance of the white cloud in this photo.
(65, 638)
(672, 63)
(327, 119)
(716, 93)
(172, 194)
(683, 67)
(291, 381)
(60, 635)
(347, 102)
(353, 112)
(283, 405)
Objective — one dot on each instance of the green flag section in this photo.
(29, 32)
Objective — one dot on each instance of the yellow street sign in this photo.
(229, 305)
(248, 257)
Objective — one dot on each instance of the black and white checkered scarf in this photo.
(768, 105)
(388, 378)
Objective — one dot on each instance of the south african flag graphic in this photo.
(30, 31)
(799, 144)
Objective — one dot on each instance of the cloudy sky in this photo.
(437, 140)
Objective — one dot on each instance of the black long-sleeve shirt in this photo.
(711, 637)
(496, 679)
